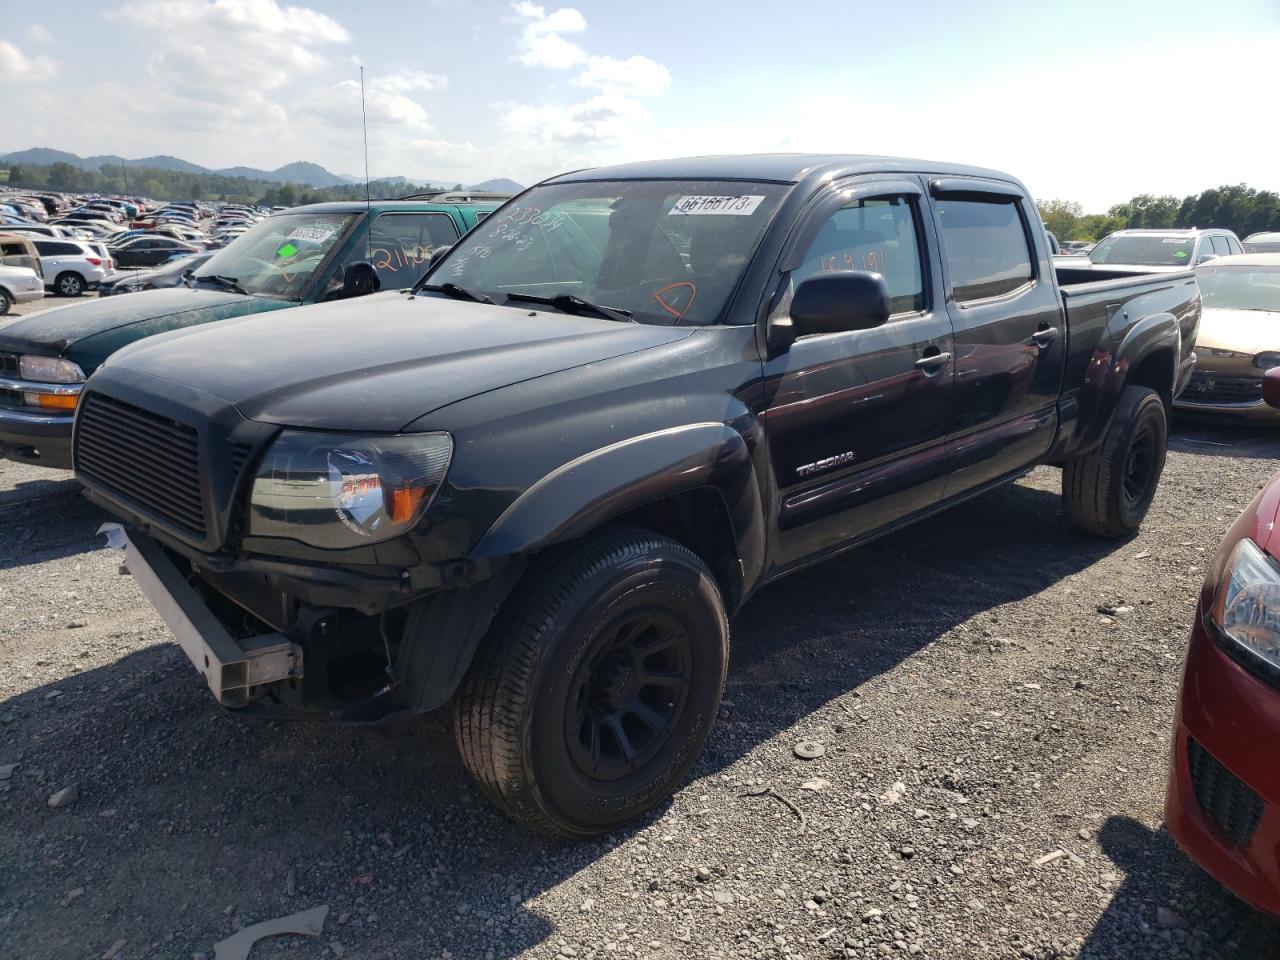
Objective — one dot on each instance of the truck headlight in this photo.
(336, 491)
(49, 370)
(1246, 607)
(1265, 361)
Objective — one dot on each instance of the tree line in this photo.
(1239, 208)
(157, 184)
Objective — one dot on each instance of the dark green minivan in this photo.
(297, 257)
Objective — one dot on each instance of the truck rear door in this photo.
(1009, 328)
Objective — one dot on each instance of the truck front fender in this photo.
(1144, 346)
(606, 483)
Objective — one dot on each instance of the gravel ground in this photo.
(977, 713)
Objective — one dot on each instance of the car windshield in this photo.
(1262, 246)
(667, 251)
(277, 257)
(1144, 251)
(1240, 288)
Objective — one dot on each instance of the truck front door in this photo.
(1010, 335)
(856, 420)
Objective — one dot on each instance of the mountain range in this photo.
(301, 172)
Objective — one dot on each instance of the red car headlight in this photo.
(1246, 606)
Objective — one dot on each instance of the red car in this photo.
(1223, 799)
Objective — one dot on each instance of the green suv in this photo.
(327, 251)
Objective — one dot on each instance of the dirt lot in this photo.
(976, 710)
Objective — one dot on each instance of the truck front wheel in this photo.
(1108, 490)
(596, 685)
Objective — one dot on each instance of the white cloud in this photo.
(541, 43)
(638, 76)
(38, 34)
(16, 65)
(400, 81)
(338, 105)
(557, 135)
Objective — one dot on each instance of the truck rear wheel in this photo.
(1108, 490)
(596, 685)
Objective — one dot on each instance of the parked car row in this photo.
(119, 232)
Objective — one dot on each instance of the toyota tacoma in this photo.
(535, 486)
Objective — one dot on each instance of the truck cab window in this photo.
(986, 248)
(877, 235)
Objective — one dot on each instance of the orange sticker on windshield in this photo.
(676, 298)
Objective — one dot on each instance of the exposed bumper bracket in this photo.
(235, 669)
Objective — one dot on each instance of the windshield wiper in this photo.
(568, 303)
(229, 283)
(454, 291)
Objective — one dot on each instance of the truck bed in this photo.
(1092, 298)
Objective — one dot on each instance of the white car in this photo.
(18, 285)
(70, 266)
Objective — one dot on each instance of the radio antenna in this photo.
(368, 204)
(364, 123)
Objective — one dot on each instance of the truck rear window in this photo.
(986, 247)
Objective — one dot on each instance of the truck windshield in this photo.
(1240, 288)
(277, 257)
(1144, 251)
(669, 251)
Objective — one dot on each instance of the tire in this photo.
(6, 302)
(69, 284)
(1108, 490)
(562, 670)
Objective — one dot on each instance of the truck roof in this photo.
(775, 167)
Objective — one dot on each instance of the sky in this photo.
(1087, 101)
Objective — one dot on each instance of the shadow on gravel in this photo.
(43, 520)
(1168, 908)
(1223, 437)
(185, 809)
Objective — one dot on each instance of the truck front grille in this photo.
(1212, 389)
(148, 460)
(1225, 799)
(9, 365)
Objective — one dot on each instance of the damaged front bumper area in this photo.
(237, 669)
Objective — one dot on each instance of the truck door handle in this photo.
(1044, 336)
(933, 361)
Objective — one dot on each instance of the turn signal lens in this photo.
(52, 401)
(404, 503)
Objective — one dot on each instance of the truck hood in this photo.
(54, 331)
(380, 362)
(1243, 331)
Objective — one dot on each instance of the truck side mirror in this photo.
(358, 279)
(1271, 387)
(840, 301)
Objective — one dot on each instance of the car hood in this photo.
(1136, 267)
(54, 331)
(1242, 331)
(380, 362)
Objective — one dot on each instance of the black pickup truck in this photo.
(536, 485)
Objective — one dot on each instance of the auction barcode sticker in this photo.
(740, 206)
(312, 234)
